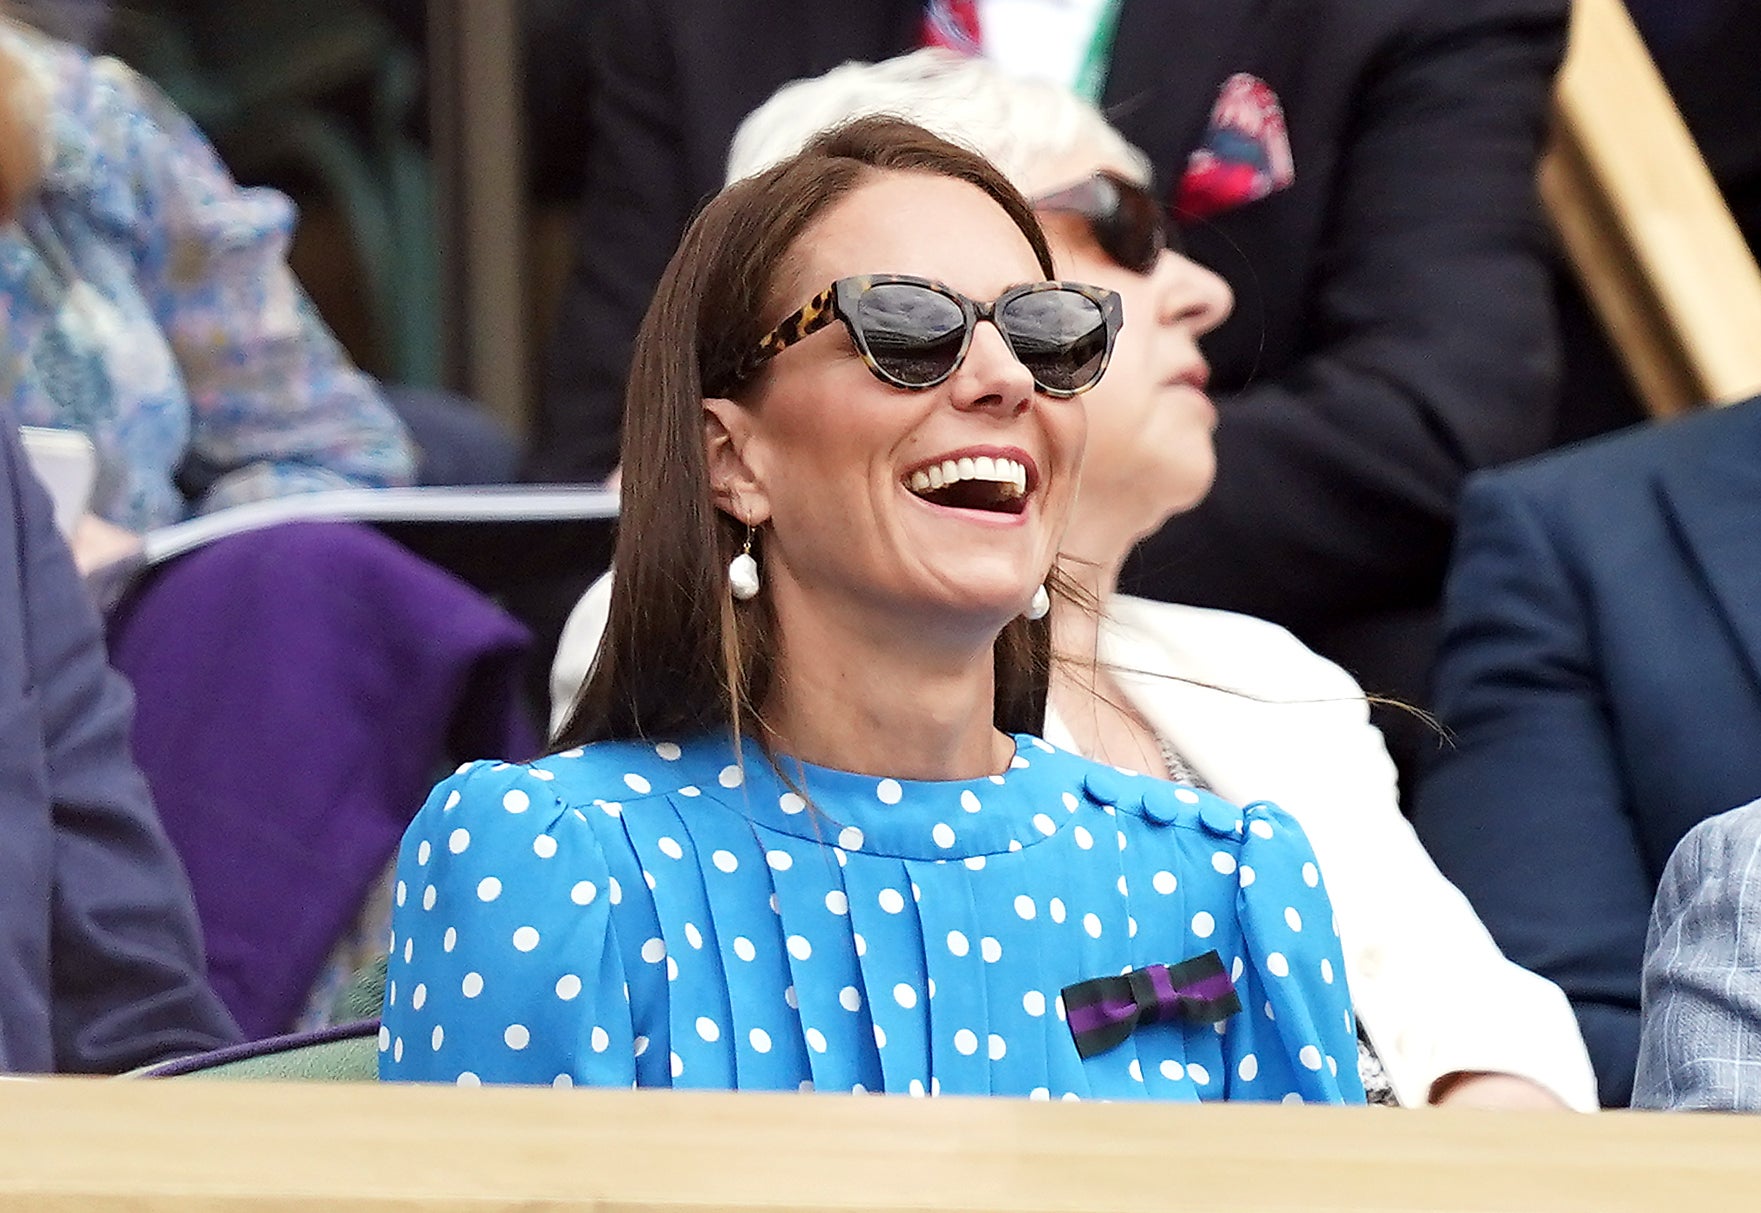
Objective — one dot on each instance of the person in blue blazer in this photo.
(1600, 681)
(100, 956)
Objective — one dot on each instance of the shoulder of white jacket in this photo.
(1222, 648)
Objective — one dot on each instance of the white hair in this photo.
(1015, 123)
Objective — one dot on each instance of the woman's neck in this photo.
(876, 699)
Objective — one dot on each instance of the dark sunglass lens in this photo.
(1060, 336)
(912, 333)
(1135, 232)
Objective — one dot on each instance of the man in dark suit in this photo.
(1601, 675)
(100, 955)
(1392, 330)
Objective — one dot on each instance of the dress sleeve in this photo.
(1292, 940)
(503, 966)
(276, 405)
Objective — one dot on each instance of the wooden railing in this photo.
(73, 1145)
(1643, 224)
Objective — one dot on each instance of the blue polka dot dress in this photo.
(679, 915)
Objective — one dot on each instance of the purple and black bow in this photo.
(1103, 1011)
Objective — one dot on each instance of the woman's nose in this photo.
(991, 377)
(1192, 295)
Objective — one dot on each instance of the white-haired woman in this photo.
(1200, 696)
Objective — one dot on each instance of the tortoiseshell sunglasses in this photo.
(914, 332)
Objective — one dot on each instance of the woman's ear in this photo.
(727, 431)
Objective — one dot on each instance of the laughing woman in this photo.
(801, 835)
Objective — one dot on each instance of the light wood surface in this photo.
(1643, 223)
(83, 1145)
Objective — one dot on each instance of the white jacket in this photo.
(1275, 721)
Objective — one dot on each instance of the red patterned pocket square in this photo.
(1246, 152)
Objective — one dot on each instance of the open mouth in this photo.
(995, 485)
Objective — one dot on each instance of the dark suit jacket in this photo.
(1392, 332)
(1601, 673)
(100, 957)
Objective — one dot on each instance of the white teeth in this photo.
(981, 467)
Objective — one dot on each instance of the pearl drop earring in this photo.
(743, 572)
(1041, 604)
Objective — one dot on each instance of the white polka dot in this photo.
(880, 1037)
(1135, 1069)
(468, 1079)
(488, 889)
(672, 969)
(1083, 838)
(743, 948)
(693, 936)
(1058, 1006)
(1164, 883)
(1261, 828)
(1326, 970)
(1292, 919)
(974, 862)
(670, 848)
(640, 1045)
(418, 996)
(990, 949)
(861, 943)
(678, 1064)
(1186, 796)
(943, 834)
(1198, 1074)
(1173, 1071)
(648, 878)
(1039, 1093)
(905, 995)
(458, 840)
(779, 861)
(708, 1029)
(760, 1040)
(888, 791)
(892, 901)
(1130, 927)
(690, 790)
(850, 838)
(583, 893)
(1044, 824)
(613, 890)
(541, 774)
(610, 808)
(409, 946)
(526, 938)
(1122, 886)
(850, 998)
(915, 1088)
(450, 940)
(654, 950)
(452, 801)
(1055, 908)
(1276, 965)
(568, 987)
(1092, 924)
(1311, 875)
(1249, 1069)
(1310, 1057)
(1203, 924)
(957, 943)
(517, 1036)
(402, 892)
(1333, 1066)
(1236, 969)
(966, 1042)
(1070, 801)
(1034, 1003)
(516, 801)
(429, 897)
(1024, 907)
(969, 801)
(799, 948)
(837, 902)
(437, 1038)
(916, 893)
(791, 803)
(731, 777)
(600, 1041)
(725, 861)
(815, 1040)
(544, 846)
(666, 751)
(423, 852)
(1223, 862)
(932, 987)
(997, 1047)
(1246, 875)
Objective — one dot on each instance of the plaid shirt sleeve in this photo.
(1700, 1046)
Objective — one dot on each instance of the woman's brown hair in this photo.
(679, 656)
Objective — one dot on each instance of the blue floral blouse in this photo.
(678, 915)
(147, 302)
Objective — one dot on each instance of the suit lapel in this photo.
(1713, 498)
(1169, 59)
